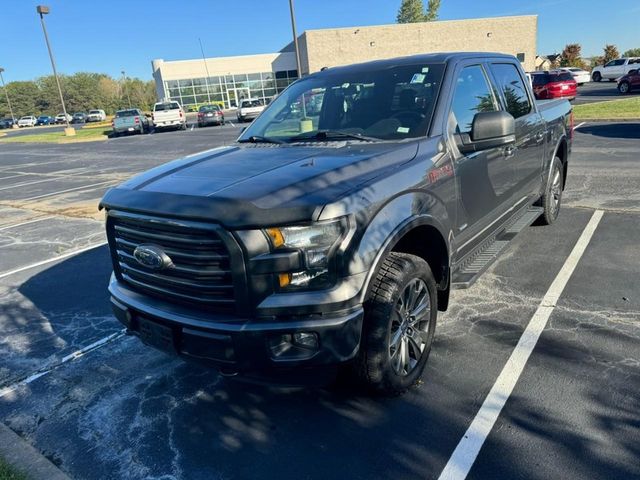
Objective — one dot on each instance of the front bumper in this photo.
(237, 345)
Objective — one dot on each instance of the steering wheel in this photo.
(408, 117)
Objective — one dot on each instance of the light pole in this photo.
(206, 68)
(295, 37)
(6, 92)
(124, 86)
(42, 11)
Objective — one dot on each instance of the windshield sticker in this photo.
(425, 69)
(418, 78)
(403, 130)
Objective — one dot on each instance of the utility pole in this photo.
(42, 11)
(124, 87)
(295, 37)
(6, 92)
(206, 68)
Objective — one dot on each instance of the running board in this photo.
(481, 259)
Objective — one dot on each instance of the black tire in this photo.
(384, 369)
(551, 199)
(597, 77)
(624, 87)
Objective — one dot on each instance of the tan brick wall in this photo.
(342, 46)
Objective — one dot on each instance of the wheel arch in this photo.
(423, 237)
(562, 152)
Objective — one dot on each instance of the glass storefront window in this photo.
(186, 83)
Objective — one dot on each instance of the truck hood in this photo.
(248, 185)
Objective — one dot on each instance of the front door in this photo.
(236, 95)
(485, 178)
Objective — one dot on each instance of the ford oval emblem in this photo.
(152, 256)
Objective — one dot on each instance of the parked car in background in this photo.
(579, 75)
(130, 121)
(630, 81)
(27, 121)
(615, 69)
(96, 116)
(169, 115)
(79, 117)
(250, 109)
(210, 115)
(339, 243)
(554, 84)
(60, 118)
(45, 120)
(8, 122)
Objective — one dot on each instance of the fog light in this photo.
(306, 339)
(293, 346)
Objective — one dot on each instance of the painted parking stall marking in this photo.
(466, 452)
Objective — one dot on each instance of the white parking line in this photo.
(579, 125)
(84, 187)
(27, 222)
(72, 356)
(31, 182)
(465, 454)
(53, 259)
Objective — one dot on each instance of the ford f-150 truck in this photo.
(169, 114)
(332, 236)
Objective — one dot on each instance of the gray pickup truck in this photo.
(332, 232)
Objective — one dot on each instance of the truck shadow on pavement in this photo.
(629, 130)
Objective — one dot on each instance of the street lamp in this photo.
(42, 11)
(124, 86)
(295, 37)
(6, 92)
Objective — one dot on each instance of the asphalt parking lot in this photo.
(101, 405)
(598, 92)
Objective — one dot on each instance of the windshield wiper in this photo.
(260, 139)
(328, 134)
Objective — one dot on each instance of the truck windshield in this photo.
(390, 103)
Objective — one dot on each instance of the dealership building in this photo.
(228, 80)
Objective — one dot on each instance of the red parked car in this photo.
(554, 84)
(628, 82)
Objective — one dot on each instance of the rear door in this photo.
(530, 128)
(485, 178)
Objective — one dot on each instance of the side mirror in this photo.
(488, 130)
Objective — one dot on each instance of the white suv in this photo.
(96, 116)
(27, 121)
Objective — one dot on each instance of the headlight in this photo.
(316, 242)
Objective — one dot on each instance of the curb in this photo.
(22, 456)
(606, 120)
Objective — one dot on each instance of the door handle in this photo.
(509, 151)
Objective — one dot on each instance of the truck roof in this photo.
(443, 57)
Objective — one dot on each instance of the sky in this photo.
(115, 35)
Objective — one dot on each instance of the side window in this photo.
(619, 62)
(610, 64)
(513, 89)
(472, 95)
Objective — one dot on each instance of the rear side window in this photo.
(472, 95)
(513, 89)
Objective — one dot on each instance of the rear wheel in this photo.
(552, 197)
(597, 77)
(624, 88)
(399, 325)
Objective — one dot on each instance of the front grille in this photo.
(201, 273)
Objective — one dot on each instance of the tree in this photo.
(24, 99)
(596, 61)
(411, 11)
(432, 10)
(632, 52)
(610, 53)
(570, 56)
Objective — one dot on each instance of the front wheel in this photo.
(399, 325)
(552, 196)
(624, 88)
